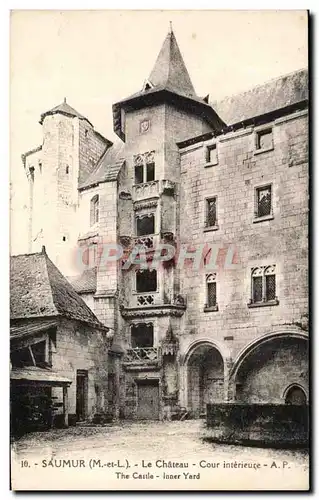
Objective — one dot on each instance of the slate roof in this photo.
(38, 289)
(108, 166)
(64, 109)
(270, 96)
(171, 79)
(170, 70)
(86, 282)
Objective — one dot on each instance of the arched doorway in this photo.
(205, 378)
(264, 370)
(295, 395)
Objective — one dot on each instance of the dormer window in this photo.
(147, 85)
(94, 210)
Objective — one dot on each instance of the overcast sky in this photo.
(94, 58)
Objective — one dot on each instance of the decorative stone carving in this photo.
(146, 190)
(147, 157)
(169, 343)
(168, 187)
(124, 195)
(125, 241)
(179, 300)
(139, 205)
(147, 242)
(142, 354)
(152, 311)
(168, 237)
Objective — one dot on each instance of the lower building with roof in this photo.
(62, 363)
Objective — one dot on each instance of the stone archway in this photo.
(295, 395)
(262, 373)
(205, 378)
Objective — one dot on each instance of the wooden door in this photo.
(148, 400)
(81, 394)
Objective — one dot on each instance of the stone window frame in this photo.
(210, 278)
(94, 210)
(260, 131)
(140, 215)
(263, 271)
(143, 160)
(134, 288)
(135, 324)
(208, 149)
(215, 227)
(263, 218)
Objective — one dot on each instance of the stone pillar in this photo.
(116, 410)
(183, 385)
(65, 406)
(227, 367)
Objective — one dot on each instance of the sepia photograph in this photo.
(159, 254)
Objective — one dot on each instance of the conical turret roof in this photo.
(64, 109)
(170, 71)
(169, 81)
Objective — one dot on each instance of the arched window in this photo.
(263, 284)
(94, 210)
(211, 290)
(295, 395)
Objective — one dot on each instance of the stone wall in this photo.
(80, 347)
(91, 147)
(280, 241)
(258, 424)
(267, 372)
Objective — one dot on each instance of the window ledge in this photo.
(263, 304)
(263, 150)
(211, 164)
(211, 309)
(211, 228)
(262, 219)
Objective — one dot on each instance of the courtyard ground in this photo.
(149, 456)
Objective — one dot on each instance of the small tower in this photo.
(70, 150)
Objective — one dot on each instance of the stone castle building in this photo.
(226, 180)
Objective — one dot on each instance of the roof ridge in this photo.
(46, 258)
(25, 254)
